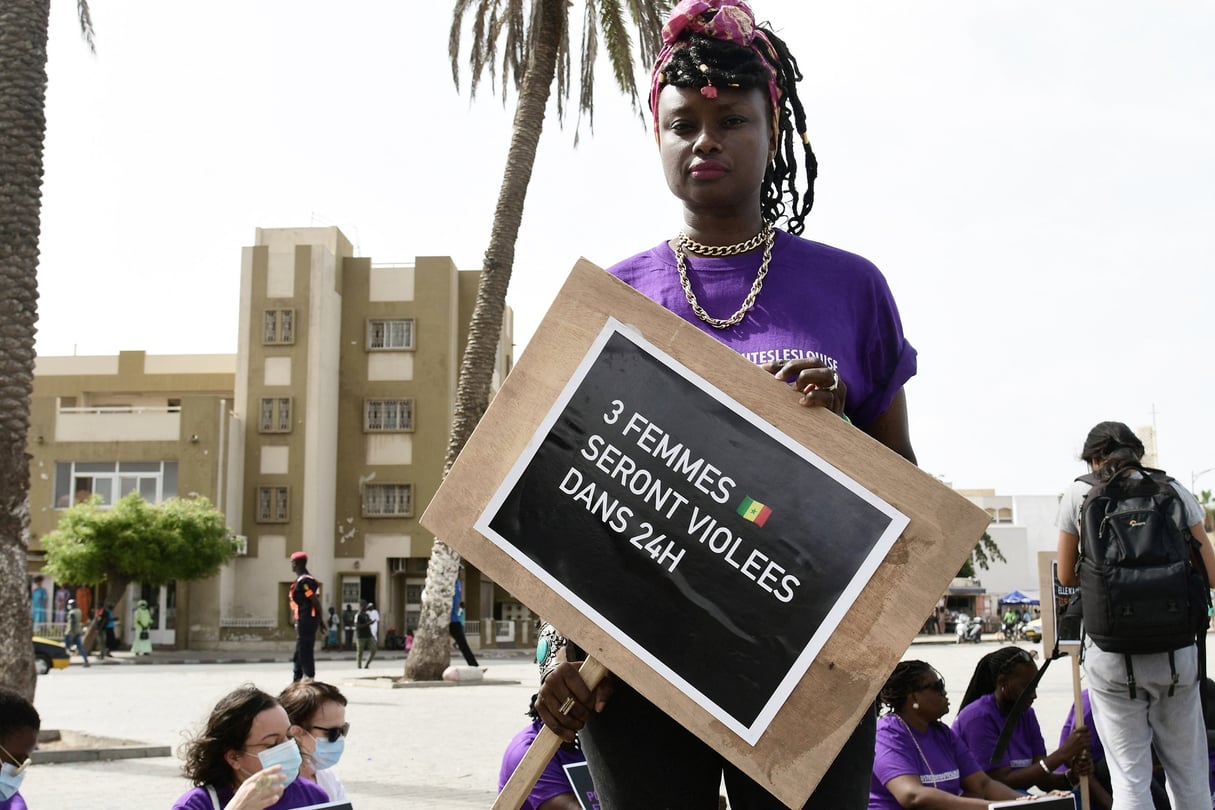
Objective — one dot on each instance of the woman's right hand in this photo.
(1081, 739)
(566, 682)
(261, 790)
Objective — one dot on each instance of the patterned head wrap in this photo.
(727, 20)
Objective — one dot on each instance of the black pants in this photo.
(350, 639)
(640, 757)
(305, 653)
(457, 632)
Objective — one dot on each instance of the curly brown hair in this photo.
(302, 699)
(226, 730)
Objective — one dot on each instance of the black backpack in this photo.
(1142, 581)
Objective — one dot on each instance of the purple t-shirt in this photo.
(299, 793)
(896, 754)
(980, 724)
(553, 782)
(1070, 723)
(14, 802)
(817, 301)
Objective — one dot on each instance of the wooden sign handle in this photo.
(541, 751)
(1077, 698)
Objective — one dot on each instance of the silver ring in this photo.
(835, 381)
(567, 705)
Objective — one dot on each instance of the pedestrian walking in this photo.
(142, 643)
(365, 630)
(456, 624)
(73, 633)
(348, 626)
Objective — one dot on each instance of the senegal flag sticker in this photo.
(754, 511)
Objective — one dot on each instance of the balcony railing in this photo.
(118, 423)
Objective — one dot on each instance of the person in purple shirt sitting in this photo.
(553, 790)
(19, 724)
(246, 758)
(918, 761)
(998, 681)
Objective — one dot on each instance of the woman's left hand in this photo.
(819, 385)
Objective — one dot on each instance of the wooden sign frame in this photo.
(802, 736)
(1049, 597)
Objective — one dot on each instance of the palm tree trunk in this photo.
(431, 648)
(23, 35)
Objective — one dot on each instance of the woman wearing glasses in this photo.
(999, 680)
(320, 712)
(19, 724)
(246, 758)
(918, 761)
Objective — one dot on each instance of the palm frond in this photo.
(619, 48)
(453, 38)
(86, 24)
(649, 15)
(590, 54)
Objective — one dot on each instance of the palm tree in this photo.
(536, 50)
(23, 35)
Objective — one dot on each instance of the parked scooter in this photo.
(969, 629)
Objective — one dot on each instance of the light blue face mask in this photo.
(10, 780)
(328, 753)
(286, 754)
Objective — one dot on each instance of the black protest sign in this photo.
(584, 787)
(1060, 607)
(717, 549)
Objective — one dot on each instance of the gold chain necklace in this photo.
(931, 774)
(767, 237)
(725, 250)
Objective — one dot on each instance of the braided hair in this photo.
(729, 65)
(902, 682)
(989, 669)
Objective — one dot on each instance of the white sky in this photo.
(1035, 179)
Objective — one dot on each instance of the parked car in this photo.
(49, 655)
(1033, 631)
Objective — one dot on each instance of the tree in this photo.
(986, 552)
(23, 36)
(180, 539)
(536, 40)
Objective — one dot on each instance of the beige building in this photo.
(325, 433)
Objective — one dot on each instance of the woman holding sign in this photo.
(730, 129)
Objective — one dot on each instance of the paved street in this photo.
(420, 747)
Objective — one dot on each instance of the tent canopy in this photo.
(1018, 598)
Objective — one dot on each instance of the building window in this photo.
(388, 500)
(1002, 515)
(385, 334)
(387, 415)
(76, 481)
(278, 326)
(275, 415)
(272, 504)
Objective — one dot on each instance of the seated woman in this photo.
(998, 681)
(553, 790)
(319, 710)
(918, 762)
(246, 758)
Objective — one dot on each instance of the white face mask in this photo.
(286, 754)
(10, 780)
(328, 753)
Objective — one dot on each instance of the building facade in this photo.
(325, 433)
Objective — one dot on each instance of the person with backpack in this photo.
(1133, 539)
